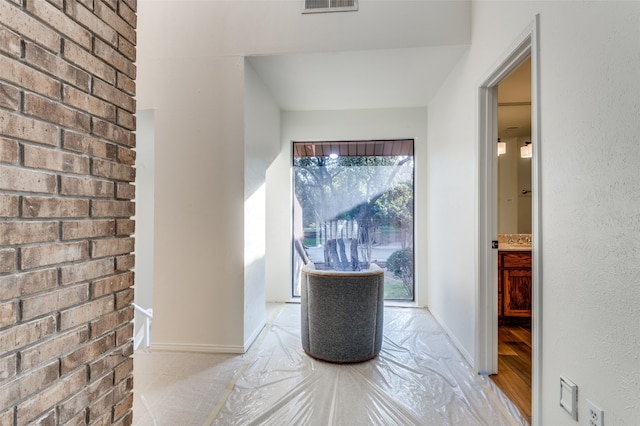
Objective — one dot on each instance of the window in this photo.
(353, 206)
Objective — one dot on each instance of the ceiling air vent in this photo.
(317, 6)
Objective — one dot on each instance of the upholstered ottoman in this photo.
(342, 313)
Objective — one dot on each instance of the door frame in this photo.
(525, 46)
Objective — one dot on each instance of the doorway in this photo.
(513, 377)
(525, 48)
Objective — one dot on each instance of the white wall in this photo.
(261, 144)
(590, 196)
(400, 123)
(191, 71)
(144, 212)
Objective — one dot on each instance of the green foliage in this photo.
(401, 264)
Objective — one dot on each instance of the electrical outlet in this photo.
(595, 416)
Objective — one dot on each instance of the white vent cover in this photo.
(316, 6)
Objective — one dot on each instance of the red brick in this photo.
(46, 158)
(113, 95)
(47, 419)
(124, 334)
(87, 18)
(115, 59)
(125, 227)
(113, 133)
(53, 347)
(85, 271)
(100, 208)
(53, 301)
(125, 263)
(116, 171)
(124, 298)
(123, 407)
(9, 97)
(88, 145)
(127, 420)
(27, 128)
(8, 369)
(78, 419)
(12, 233)
(84, 313)
(124, 28)
(128, 49)
(109, 322)
(7, 260)
(112, 247)
(86, 102)
(59, 21)
(125, 191)
(123, 370)
(37, 281)
(17, 179)
(126, 156)
(18, 389)
(26, 333)
(101, 407)
(73, 230)
(9, 205)
(111, 284)
(127, 13)
(113, 4)
(6, 417)
(54, 207)
(55, 112)
(133, 4)
(85, 60)
(53, 64)
(80, 401)
(86, 353)
(105, 364)
(126, 119)
(104, 420)
(34, 257)
(7, 314)
(42, 401)
(13, 286)
(85, 186)
(26, 25)
(122, 388)
(29, 78)
(9, 44)
(8, 151)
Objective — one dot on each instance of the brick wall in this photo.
(66, 188)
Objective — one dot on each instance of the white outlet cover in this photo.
(569, 397)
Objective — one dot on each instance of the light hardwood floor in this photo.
(514, 367)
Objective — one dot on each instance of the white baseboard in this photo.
(252, 338)
(187, 347)
(466, 355)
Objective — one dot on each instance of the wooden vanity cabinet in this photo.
(514, 285)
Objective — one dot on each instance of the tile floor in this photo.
(418, 378)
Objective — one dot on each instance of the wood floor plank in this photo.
(514, 366)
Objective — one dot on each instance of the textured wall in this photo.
(66, 189)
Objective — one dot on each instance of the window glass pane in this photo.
(353, 210)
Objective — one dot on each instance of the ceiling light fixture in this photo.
(333, 155)
(526, 151)
(502, 147)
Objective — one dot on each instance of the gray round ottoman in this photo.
(342, 313)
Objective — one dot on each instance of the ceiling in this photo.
(387, 78)
(514, 103)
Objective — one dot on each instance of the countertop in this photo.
(514, 247)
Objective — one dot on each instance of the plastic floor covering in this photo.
(419, 378)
